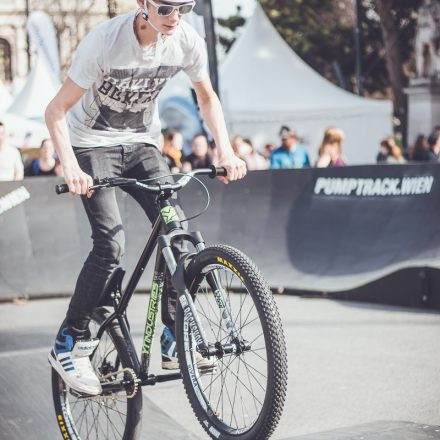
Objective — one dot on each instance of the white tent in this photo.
(20, 130)
(23, 132)
(40, 87)
(264, 85)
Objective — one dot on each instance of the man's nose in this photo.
(175, 14)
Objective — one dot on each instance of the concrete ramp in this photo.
(382, 430)
(26, 408)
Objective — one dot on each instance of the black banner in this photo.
(311, 230)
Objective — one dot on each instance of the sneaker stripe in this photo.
(172, 352)
(69, 369)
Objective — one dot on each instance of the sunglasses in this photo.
(166, 10)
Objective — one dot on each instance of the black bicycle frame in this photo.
(169, 222)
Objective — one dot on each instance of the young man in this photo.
(104, 122)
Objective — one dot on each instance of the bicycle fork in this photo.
(177, 271)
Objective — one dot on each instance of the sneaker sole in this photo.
(170, 366)
(59, 369)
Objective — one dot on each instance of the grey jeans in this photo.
(139, 161)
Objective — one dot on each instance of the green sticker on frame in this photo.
(169, 214)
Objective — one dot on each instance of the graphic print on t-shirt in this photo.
(126, 98)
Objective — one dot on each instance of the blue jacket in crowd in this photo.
(282, 158)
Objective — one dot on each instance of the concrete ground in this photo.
(350, 365)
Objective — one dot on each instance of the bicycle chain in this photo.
(134, 379)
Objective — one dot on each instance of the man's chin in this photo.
(168, 30)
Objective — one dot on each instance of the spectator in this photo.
(45, 165)
(420, 150)
(330, 151)
(383, 153)
(268, 149)
(434, 146)
(393, 153)
(200, 157)
(172, 150)
(246, 151)
(290, 154)
(11, 165)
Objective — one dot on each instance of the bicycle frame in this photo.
(169, 222)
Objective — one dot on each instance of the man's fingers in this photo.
(89, 184)
(79, 184)
(74, 185)
(223, 180)
(84, 185)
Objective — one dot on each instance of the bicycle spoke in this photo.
(100, 417)
(252, 393)
(237, 390)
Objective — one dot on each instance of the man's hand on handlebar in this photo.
(77, 180)
(235, 167)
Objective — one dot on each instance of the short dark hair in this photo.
(1, 124)
(44, 141)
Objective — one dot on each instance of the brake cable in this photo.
(208, 197)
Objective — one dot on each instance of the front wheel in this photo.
(243, 395)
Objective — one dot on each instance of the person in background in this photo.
(45, 165)
(245, 150)
(172, 150)
(382, 154)
(393, 154)
(420, 149)
(268, 149)
(330, 151)
(290, 154)
(11, 165)
(434, 146)
(200, 157)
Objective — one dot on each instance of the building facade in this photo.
(72, 20)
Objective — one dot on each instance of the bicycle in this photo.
(225, 311)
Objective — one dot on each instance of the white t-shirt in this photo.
(123, 81)
(11, 165)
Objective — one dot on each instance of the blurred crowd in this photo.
(425, 149)
(288, 154)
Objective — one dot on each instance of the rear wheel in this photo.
(112, 416)
(243, 396)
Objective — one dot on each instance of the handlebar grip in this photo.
(62, 189)
(217, 171)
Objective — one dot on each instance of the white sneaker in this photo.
(74, 367)
(169, 354)
(206, 365)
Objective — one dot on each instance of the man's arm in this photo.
(55, 116)
(212, 114)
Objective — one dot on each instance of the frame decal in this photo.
(169, 214)
(153, 306)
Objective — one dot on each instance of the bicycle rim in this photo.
(235, 392)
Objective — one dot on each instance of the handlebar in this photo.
(109, 182)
